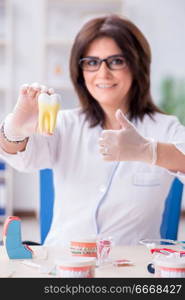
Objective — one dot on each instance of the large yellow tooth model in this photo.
(49, 106)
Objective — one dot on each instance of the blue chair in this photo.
(46, 202)
(172, 211)
(171, 215)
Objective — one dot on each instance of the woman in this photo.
(111, 156)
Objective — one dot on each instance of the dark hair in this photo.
(138, 56)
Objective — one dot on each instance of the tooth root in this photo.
(41, 117)
(53, 116)
(46, 122)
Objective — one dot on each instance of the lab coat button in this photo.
(102, 188)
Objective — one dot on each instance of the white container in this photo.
(171, 266)
(73, 267)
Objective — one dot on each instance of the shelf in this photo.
(61, 21)
(5, 179)
(58, 42)
(57, 66)
(3, 42)
(3, 89)
(6, 86)
(61, 87)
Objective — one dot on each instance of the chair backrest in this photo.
(46, 202)
(171, 215)
(172, 211)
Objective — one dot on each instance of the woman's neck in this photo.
(111, 124)
(110, 120)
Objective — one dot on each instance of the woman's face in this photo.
(109, 87)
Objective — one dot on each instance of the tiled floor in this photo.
(31, 230)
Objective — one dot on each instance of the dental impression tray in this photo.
(12, 240)
(49, 106)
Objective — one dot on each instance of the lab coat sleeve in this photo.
(40, 153)
(177, 138)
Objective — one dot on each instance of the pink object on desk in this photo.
(104, 246)
(121, 263)
(83, 247)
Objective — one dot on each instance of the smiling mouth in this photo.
(105, 86)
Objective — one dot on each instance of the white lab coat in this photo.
(124, 200)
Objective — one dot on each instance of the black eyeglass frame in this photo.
(100, 62)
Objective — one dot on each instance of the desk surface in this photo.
(139, 255)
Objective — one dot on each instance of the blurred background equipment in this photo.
(173, 97)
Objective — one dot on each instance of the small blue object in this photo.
(12, 240)
(2, 165)
(151, 268)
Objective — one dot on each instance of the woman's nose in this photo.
(104, 70)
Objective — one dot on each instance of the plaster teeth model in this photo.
(49, 106)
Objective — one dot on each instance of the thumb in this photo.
(123, 121)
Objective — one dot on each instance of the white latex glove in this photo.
(126, 144)
(23, 121)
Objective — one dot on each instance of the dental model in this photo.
(12, 239)
(49, 106)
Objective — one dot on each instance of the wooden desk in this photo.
(139, 255)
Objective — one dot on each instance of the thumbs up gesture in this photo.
(126, 144)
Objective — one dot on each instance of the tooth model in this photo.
(12, 239)
(49, 106)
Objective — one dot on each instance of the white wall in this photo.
(163, 23)
(27, 70)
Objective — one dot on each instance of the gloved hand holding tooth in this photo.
(28, 112)
(49, 106)
(126, 144)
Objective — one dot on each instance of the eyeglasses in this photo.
(92, 64)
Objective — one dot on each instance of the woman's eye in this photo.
(117, 61)
(92, 62)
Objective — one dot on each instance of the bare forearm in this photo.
(12, 148)
(169, 157)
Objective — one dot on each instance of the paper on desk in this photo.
(41, 266)
(6, 270)
(39, 262)
(39, 252)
